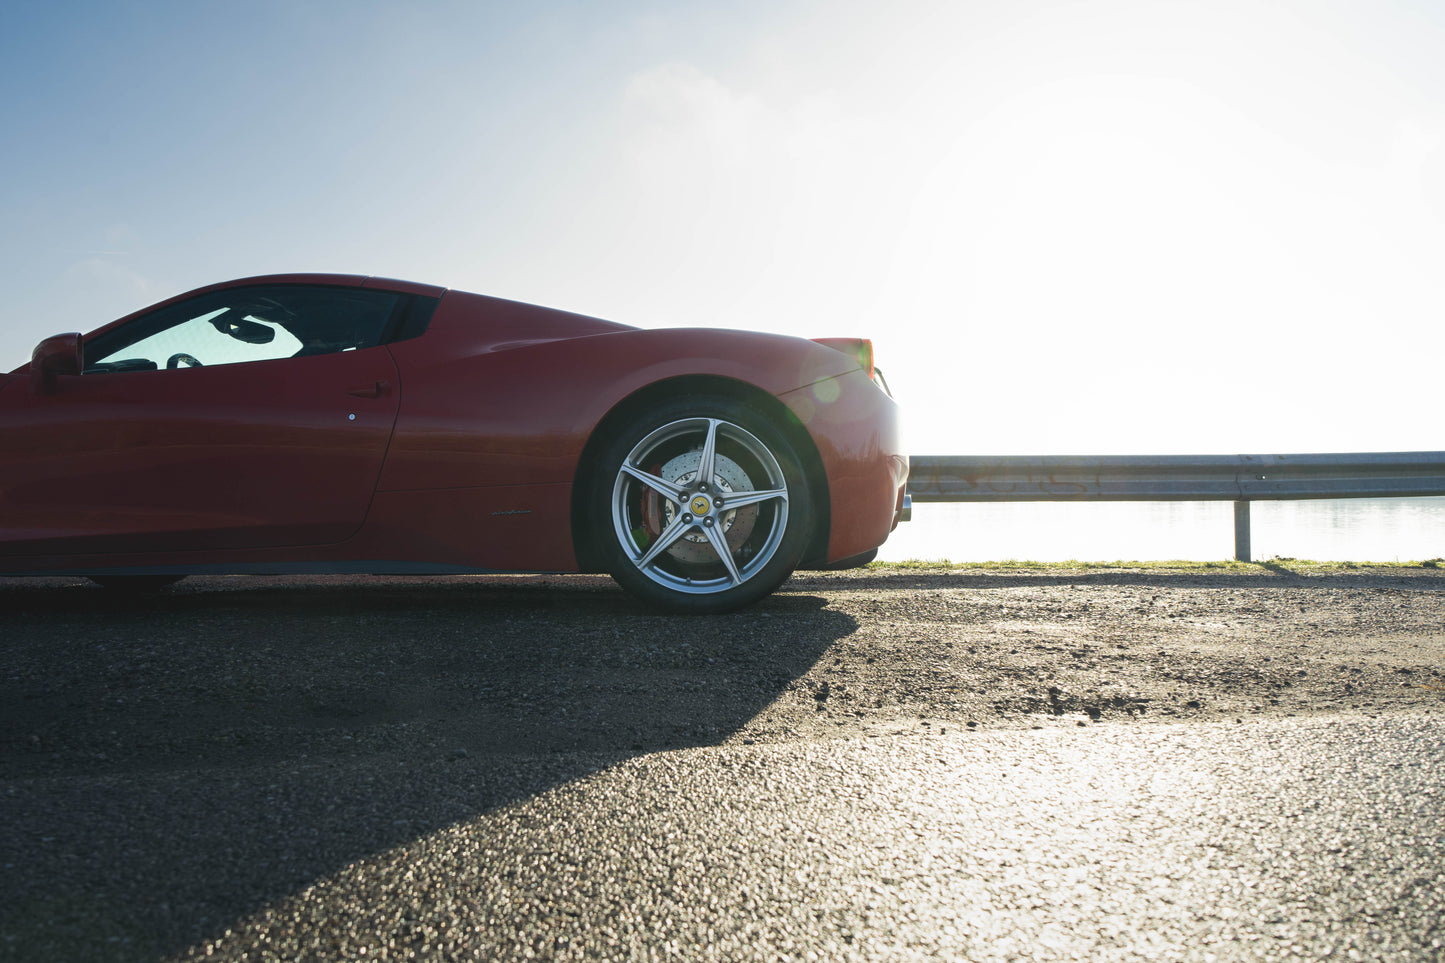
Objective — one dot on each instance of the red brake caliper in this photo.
(652, 508)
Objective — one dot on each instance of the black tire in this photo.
(658, 528)
(135, 584)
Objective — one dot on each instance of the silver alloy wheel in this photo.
(699, 484)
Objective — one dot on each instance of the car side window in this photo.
(238, 325)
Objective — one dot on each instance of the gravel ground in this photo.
(145, 743)
(1277, 839)
(1016, 648)
(248, 669)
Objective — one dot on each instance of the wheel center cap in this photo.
(700, 505)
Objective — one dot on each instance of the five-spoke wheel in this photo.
(701, 506)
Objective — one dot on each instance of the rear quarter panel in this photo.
(500, 399)
(487, 401)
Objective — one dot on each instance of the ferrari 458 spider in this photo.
(329, 423)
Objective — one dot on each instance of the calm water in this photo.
(1354, 530)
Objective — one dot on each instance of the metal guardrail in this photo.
(1146, 478)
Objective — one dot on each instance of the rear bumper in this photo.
(854, 425)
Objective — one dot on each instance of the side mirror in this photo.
(58, 355)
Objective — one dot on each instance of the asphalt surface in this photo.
(911, 765)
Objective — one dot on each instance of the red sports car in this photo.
(330, 423)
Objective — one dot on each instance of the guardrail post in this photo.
(1241, 531)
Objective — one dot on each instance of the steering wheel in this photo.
(180, 357)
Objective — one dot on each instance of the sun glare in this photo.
(1115, 226)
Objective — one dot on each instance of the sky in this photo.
(1093, 227)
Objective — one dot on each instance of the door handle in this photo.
(374, 390)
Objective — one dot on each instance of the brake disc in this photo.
(737, 524)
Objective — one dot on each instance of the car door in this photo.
(169, 441)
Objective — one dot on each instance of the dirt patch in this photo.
(1024, 647)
